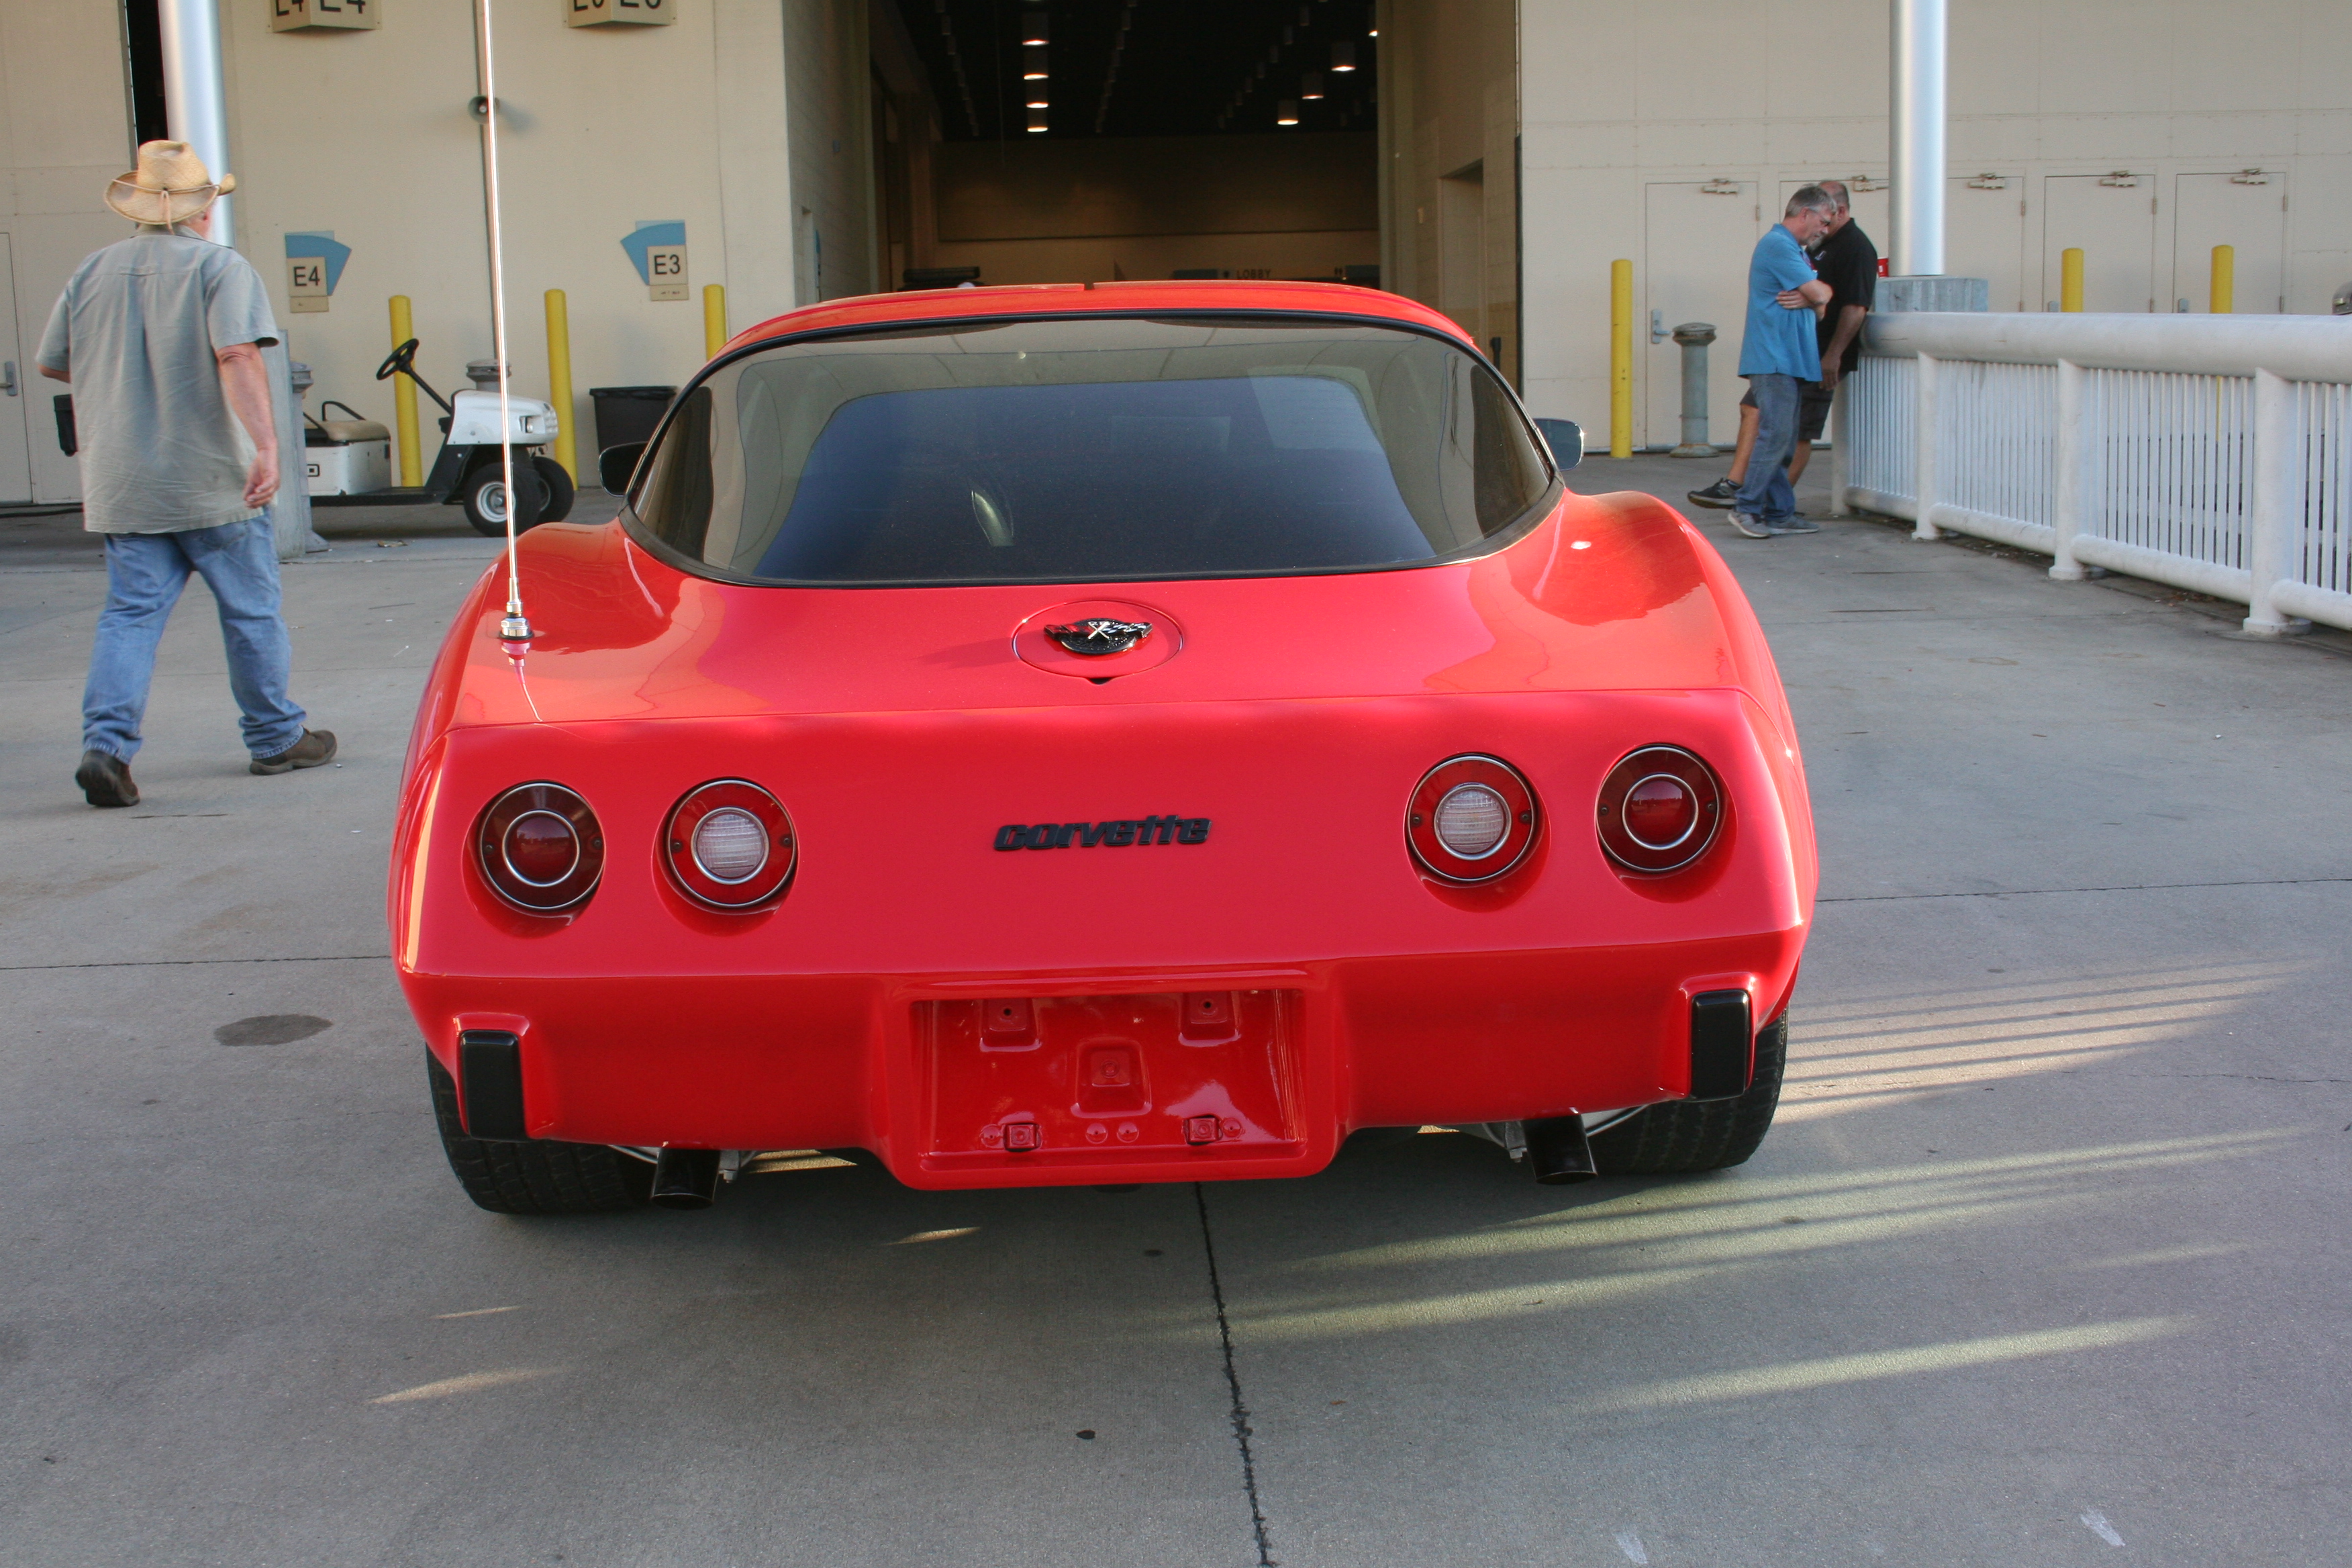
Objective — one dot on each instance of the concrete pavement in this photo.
(2045, 1254)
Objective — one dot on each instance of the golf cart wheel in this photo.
(1684, 1136)
(538, 1175)
(559, 489)
(484, 496)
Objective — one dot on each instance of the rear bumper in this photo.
(1013, 1080)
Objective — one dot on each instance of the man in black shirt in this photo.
(1847, 261)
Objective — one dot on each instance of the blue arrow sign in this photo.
(320, 242)
(646, 237)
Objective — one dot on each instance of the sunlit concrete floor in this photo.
(2047, 1253)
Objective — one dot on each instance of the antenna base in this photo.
(515, 628)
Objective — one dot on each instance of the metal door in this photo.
(1696, 238)
(23, 382)
(1984, 237)
(2112, 218)
(2245, 209)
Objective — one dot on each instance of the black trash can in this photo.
(627, 414)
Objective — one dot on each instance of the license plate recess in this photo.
(1098, 1083)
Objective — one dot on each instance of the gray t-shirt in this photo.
(136, 329)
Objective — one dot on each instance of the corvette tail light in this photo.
(729, 845)
(1471, 819)
(1659, 809)
(541, 848)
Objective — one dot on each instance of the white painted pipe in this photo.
(193, 94)
(1916, 134)
(2298, 347)
(2274, 521)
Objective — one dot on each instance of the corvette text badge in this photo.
(1136, 832)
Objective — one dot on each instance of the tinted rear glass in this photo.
(1100, 449)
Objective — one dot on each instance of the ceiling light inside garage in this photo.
(1310, 86)
(1037, 119)
(1033, 28)
(1032, 63)
(1343, 57)
(1287, 113)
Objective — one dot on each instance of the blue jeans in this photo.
(145, 573)
(1766, 492)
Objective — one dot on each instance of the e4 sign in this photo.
(286, 15)
(598, 13)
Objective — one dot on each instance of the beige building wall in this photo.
(65, 132)
(1450, 191)
(1669, 132)
(1279, 205)
(368, 134)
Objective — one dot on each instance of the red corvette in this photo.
(1139, 733)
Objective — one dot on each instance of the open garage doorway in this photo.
(1365, 141)
(1128, 139)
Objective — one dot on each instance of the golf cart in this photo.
(468, 470)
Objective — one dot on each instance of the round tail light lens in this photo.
(729, 845)
(539, 847)
(1659, 809)
(1471, 819)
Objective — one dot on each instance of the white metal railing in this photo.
(2213, 453)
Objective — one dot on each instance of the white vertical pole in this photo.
(2067, 503)
(193, 94)
(2274, 517)
(1915, 136)
(1923, 452)
(1840, 434)
(515, 627)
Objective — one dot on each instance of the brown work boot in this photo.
(316, 747)
(105, 780)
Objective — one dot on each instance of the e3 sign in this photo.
(597, 12)
(658, 252)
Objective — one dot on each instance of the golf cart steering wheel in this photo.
(402, 361)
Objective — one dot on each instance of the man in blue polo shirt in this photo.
(1776, 351)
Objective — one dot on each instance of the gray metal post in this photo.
(1693, 337)
(290, 513)
(1916, 132)
(193, 93)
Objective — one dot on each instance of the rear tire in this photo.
(1684, 1136)
(537, 1176)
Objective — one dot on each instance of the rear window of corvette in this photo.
(1094, 449)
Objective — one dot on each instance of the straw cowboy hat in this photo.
(170, 185)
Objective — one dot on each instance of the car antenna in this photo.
(515, 627)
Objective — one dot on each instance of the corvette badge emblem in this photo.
(1100, 635)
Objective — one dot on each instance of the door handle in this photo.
(9, 377)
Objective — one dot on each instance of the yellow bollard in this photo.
(404, 401)
(2225, 279)
(2070, 278)
(1621, 359)
(714, 318)
(559, 381)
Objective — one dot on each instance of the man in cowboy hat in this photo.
(160, 336)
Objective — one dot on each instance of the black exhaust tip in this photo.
(1557, 1151)
(685, 1178)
